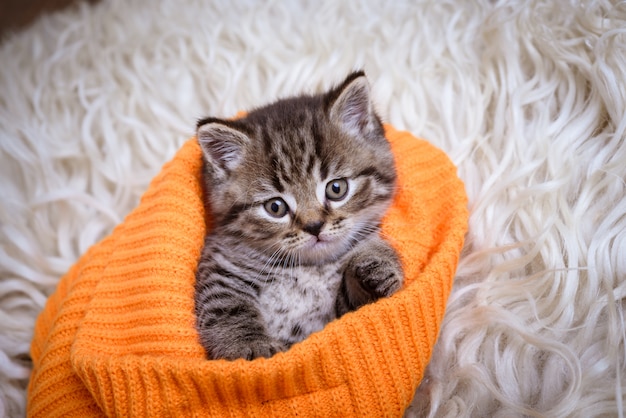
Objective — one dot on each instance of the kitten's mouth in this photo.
(321, 240)
(320, 243)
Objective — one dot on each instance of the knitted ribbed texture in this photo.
(117, 338)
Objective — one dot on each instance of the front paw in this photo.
(374, 271)
(248, 349)
(378, 277)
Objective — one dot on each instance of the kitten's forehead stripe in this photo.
(284, 177)
(318, 140)
(310, 164)
(276, 178)
(277, 183)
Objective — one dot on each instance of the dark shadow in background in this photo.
(17, 14)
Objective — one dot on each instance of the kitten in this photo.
(296, 191)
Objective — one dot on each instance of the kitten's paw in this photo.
(249, 350)
(377, 277)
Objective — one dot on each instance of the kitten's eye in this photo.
(276, 207)
(337, 189)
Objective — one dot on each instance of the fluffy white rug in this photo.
(528, 99)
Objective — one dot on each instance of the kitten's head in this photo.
(303, 178)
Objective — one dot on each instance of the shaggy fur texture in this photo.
(528, 99)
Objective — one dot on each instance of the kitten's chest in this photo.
(300, 301)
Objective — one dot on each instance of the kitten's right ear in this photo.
(223, 144)
(350, 106)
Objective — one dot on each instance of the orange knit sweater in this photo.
(117, 338)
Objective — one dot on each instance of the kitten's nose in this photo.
(314, 228)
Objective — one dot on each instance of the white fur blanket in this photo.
(527, 98)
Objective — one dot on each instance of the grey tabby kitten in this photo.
(296, 191)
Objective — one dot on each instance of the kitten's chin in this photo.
(319, 251)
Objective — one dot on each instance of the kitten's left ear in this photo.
(350, 106)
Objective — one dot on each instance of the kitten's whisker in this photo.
(295, 262)
(271, 262)
(292, 265)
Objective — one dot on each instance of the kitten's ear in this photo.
(351, 107)
(223, 144)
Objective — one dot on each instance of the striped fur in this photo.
(296, 190)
